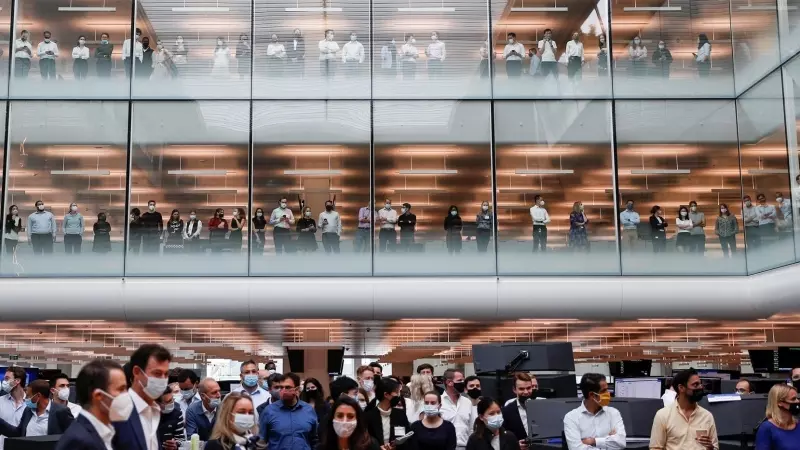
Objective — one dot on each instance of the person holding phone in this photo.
(671, 428)
(170, 431)
(346, 428)
(384, 421)
(433, 432)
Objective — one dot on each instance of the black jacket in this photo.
(171, 424)
(659, 228)
(60, 418)
(301, 48)
(512, 421)
(407, 222)
(453, 224)
(398, 418)
(81, 435)
(507, 441)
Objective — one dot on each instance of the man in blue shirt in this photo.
(289, 423)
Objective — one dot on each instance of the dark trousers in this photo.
(47, 68)
(513, 68)
(406, 239)
(327, 68)
(483, 68)
(80, 69)
(697, 243)
(659, 242)
(728, 244)
(11, 246)
(103, 68)
(409, 70)
(752, 238)
(549, 67)
(483, 237)
(150, 241)
(258, 242)
(127, 63)
(574, 67)
(361, 242)
(42, 243)
(387, 240)
(540, 238)
(330, 242)
(703, 68)
(434, 69)
(282, 238)
(21, 67)
(72, 244)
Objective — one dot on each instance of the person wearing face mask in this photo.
(272, 387)
(222, 56)
(238, 223)
(80, 59)
(47, 51)
(533, 67)
(282, 220)
(102, 235)
(752, 237)
(162, 62)
(296, 53)
(152, 228)
(345, 428)
(726, 228)
(473, 386)
(389, 59)
(23, 53)
(697, 233)
(767, 217)
(102, 55)
(12, 404)
(484, 223)
(515, 413)
(187, 383)
(780, 431)
(217, 230)
(407, 221)
(387, 236)
(327, 55)
(201, 416)
(38, 416)
(144, 68)
(236, 428)
(547, 51)
(13, 228)
(289, 423)
(578, 237)
(485, 53)
(60, 391)
(306, 229)
(352, 54)
(432, 432)
(575, 58)
(784, 205)
(743, 387)
(489, 433)
(135, 231)
(662, 59)
(703, 56)
(384, 421)
(173, 234)
(436, 53)
(191, 232)
(331, 227)
(41, 230)
(180, 54)
(102, 392)
(73, 227)
(366, 378)
(452, 228)
(276, 56)
(638, 57)
(244, 53)
(629, 219)
(684, 424)
(602, 56)
(248, 375)
(409, 55)
(170, 433)
(258, 232)
(658, 229)
(594, 423)
(684, 224)
(540, 218)
(456, 408)
(314, 395)
(417, 388)
(514, 53)
(129, 55)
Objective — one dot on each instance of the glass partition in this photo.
(679, 158)
(312, 49)
(66, 176)
(791, 105)
(192, 49)
(189, 175)
(769, 218)
(679, 49)
(68, 51)
(789, 27)
(754, 29)
(6, 41)
(555, 188)
(433, 174)
(310, 171)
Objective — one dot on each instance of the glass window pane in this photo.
(670, 154)
(296, 58)
(430, 49)
(558, 152)
(436, 157)
(756, 52)
(791, 93)
(204, 51)
(696, 59)
(789, 27)
(321, 155)
(189, 157)
(5, 25)
(62, 67)
(765, 175)
(547, 49)
(67, 154)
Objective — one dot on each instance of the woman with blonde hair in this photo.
(419, 386)
(235, 424)
(780, 430)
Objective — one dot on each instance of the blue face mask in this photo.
(30, 404)
(251, 380)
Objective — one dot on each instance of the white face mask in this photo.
(694, 208)
(363, 405)
(453, 213)
(14, 212)
(63, 394)
(168, 408)
(388, 206)
(73, 208)
(353, 38)
(779, 199)
(40, 207)
(661, 46)
(283, 205)
(308, 213)
(344, 429)
(235, 213)
(82, 41)
(404, 210)
(434, 38)
(155, 387)
(368, 385)
(541, 202)
(244, 422)
(723, 210)
(259, 214)
(684, 214)
(485, 207)
(192, 216)
(121, 406)
(151, 207)
(8, 386)
(413, 41)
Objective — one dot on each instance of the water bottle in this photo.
(195, 442)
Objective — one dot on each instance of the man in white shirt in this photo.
(327, 54)
(353, 51)
(515, 413)
(47, 52)
(513, 52)
(547, 51)
(138, 52)
(574, 57)
(409, 55)
(540, 219)
(767, 216)
(41, 417)
(436, 53)
(282, 220)
(249, 378)
(387, 236)
(331, 226)
(12, 404)
(59, 389)
(456, 408)
(594, 424)
(23, 52)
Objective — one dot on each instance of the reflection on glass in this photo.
(791, 75)
(555, 193)
(756, 52)
(789, 28)
(68, 185)
(313, 188)
(432, 176)
(65, 51)
(677, 165)
(189, 189)
(769, 221)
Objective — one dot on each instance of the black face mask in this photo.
(474, 393)
(312, 394)
(534, 393)
(697, 395)
(794, 409)
(101, 218)
(523, 398)
(459, 387)
(796, 384)
(328, 207)
(394, 401)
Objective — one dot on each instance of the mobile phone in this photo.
(402, 439)
(699, 433)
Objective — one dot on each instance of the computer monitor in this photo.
(637, 388)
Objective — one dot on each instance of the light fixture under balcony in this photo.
(426, 9)
(203, 9)
(637, 8)
(199, 172)
(767, 171)
(313, 172)
(314, 9)
(544, 171)
(554, 8)
(660, 171)
(427, 172)
(91, 172)
(87, 8)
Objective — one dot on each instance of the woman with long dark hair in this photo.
(489, 433)
(703, 55)
(258, 230)
(726, 228)
(385, 422)
(314, 395)
(345, 428)
(658, 229)
(684, 224)
(452, 227)
(13, 227)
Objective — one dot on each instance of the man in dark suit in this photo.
(41, 417)
(515, 416)
(149, 375)
(200, 416)
(98, 383)
(274, 391)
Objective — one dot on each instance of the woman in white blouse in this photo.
(191, 233)
(703, 55)
(638, 54)
(684, 223)
(80, 59)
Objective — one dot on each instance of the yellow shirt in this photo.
(674, 431)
